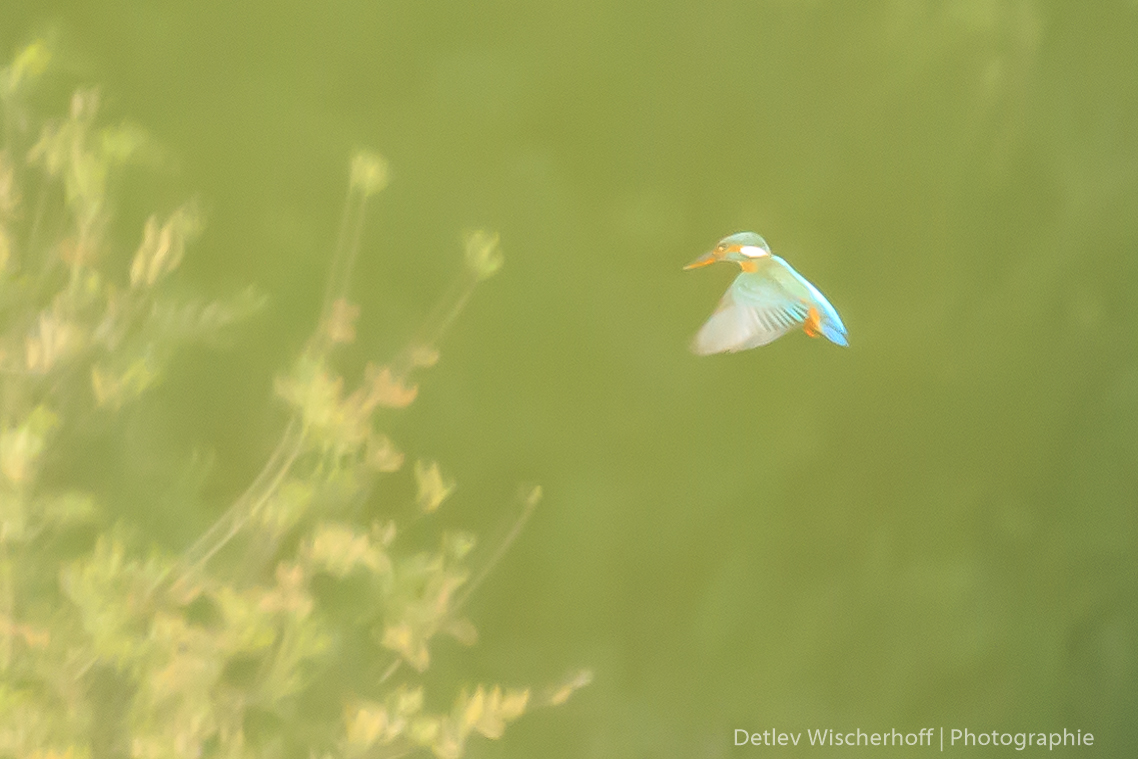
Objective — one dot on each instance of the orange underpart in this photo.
(813, 324)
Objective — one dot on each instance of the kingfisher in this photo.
(767, 300)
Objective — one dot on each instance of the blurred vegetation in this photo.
(305, 597)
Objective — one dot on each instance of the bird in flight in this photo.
(767, 300)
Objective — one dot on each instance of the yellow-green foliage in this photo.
(299, 623)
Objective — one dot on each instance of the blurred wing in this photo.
(754, 311)
(794, 284)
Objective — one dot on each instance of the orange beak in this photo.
(704, 260)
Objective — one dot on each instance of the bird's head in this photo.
(742, 248)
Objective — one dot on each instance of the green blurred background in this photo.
(934, 527)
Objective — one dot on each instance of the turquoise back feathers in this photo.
(767, 300)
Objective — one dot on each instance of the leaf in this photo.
(488, 711)
(367, 725)
(313, 390)
(402, 639)
(424, 356)
(387, 390)
(124, 142)
(340, 550)
(559, 693)
(196, 320)
(162, 248)
(286, 507)
(53, 339)
(483, 256)
(432, 488)
(113, 390)
(290, 595)
(382, 455)
(29, 64)
(370, 172)
(21, 447)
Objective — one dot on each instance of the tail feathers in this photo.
(835, 333)
(832, 329)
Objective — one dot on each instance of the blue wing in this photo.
(829, 322)
(754, 311)
(761, 307)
